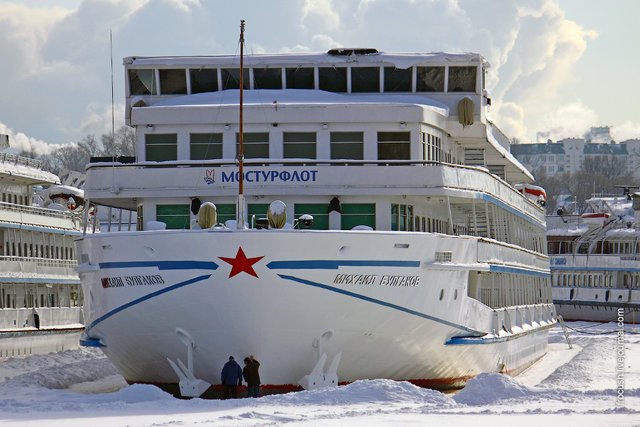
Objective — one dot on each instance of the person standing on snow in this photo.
(251, 376)
(231, 377)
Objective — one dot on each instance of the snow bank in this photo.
(489, 388)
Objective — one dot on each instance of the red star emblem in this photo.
(241, 263)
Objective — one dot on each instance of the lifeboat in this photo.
(597, 218)
(533, 193)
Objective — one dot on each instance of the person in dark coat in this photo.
(251, 376)
(231, 378)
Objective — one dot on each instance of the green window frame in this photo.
(257, 209)
(175, 216)
(354, 214)
(347, 145)
(225, 211)
(255, 145)
(206, 146)
(161, 147)
(299, 145)
(402, 217)
(319, 211)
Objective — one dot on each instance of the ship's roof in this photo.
(23, 170)
(399, 60)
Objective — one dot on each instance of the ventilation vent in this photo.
(444, 256)
(344, 51)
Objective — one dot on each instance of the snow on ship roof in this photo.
(65, 189)
(297, 97)
(399, 60)
(19, 169)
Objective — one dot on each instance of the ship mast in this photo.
(240, 208)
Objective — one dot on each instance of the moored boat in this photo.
(594, 260)
(40, 293)
(356, 221)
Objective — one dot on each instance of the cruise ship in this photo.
(341, 216)
(594, 259)
(40, 293)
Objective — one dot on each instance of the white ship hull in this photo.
(389, 307)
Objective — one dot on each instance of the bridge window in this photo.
(231, 78)
(365, 79)
(267, 78)
(333, 79)
(397, 79)
(226, 212)
(142, 82)
(204, 80)
(300, 78)
(462, 79)
(402, 217)
(430, 79)
(173, 82)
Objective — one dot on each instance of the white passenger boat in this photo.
(369, 231)
(40, 295)
(595, 260)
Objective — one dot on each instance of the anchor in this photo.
(190, 386)
(318, 377)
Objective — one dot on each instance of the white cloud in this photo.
(56, 61)
(625, 131)
(569, 120)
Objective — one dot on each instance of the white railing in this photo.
(14, 264)
(48, 317)
(19, 160)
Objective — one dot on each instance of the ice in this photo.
(571, 387)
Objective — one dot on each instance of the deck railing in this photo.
(19, 160)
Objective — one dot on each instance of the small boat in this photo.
(342, 215)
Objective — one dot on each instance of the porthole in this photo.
(441, 294)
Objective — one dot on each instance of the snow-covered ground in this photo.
(576, 387)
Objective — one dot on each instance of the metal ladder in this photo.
(564, 329)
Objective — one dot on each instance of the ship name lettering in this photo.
(271, 176)
(111, 282)
(355, 279)
(153, 279)
(400, 280)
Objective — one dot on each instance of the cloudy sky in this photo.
(558, 66)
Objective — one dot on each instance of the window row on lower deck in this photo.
(597, 279)
(21, 295)
(498, 290)
(22, 243)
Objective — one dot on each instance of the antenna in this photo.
(240, 216)
(113, 120)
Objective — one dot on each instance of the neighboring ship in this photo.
(40, 293)
(594, 259)
(370, 231)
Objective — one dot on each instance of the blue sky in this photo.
(558, 66)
